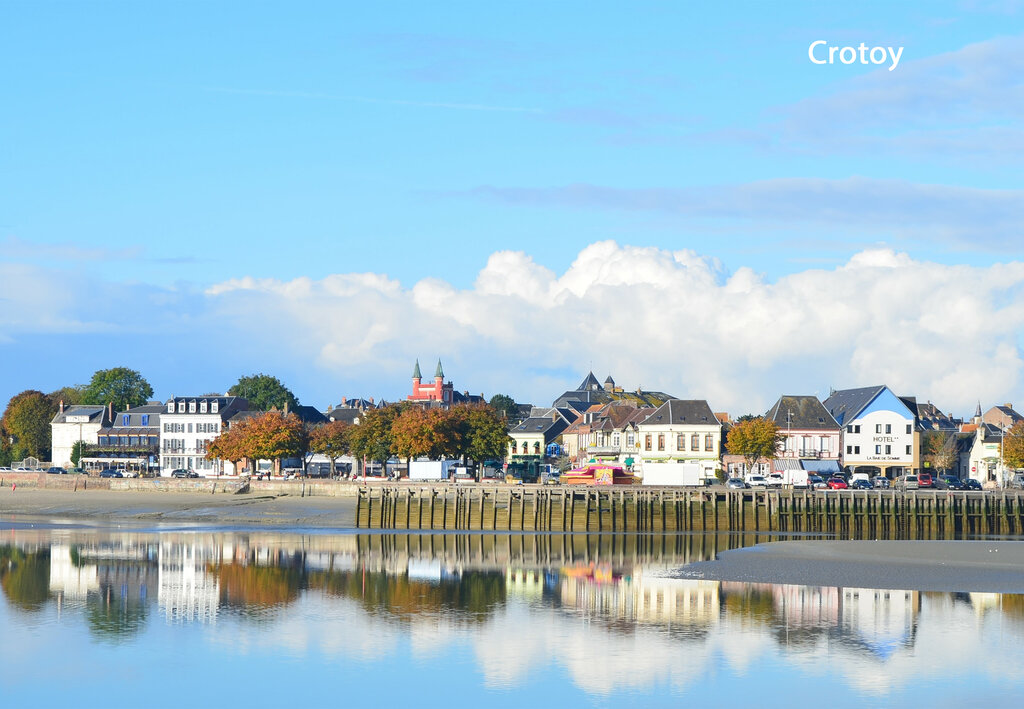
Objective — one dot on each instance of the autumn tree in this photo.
(940, 449)
(486, 433)
(120, 386)
(229, 445)
(331, 440)
(755, 439)
(1013, 446)
(269, 436)
(70, 395)
(27, 418)
(371, 439)
(264, 392)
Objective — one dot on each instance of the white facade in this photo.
(188, 426)
(73, 424)
(683, 432)
(881, 438)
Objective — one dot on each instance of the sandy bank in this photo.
(103, 507)
(992, 566)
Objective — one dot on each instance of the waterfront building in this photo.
(590, 392)
(682, 431)
(131, 442)
(187, 427)
(606, 434)
(79, 422)
(880, 434)
(534, 441)
(1003, 417)
(438, 393)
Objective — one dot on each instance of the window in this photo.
(910, 450)
(856, 450)
(192, 407)
(709, 442)
(145, 419)
(661, 441)
(181, 407)
(824, 445)
(202, 407)
(849, 449)
(123, 440)
(856, 429)
(630, 440)
(888, 450)
(125, 418)
(103, 440)
(888, 428)
(878, 450)
(647, 442)
(680, 442)
(133, 440)
(849, 429)
(167, 427)
(909, 428)
(515, 447)
(213, 407)
(694, 442)
(190, 428)
(615, 440)
(170, 407)
(878, 428)
(536, 448)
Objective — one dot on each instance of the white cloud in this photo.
(665, 320)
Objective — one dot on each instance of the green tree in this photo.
(754, 439)
(76, 452)
(331, 440)
(1013, 446)
(270, 436)
(70, 395)
(264, 392)
(120, 386)
(486, 435)
(27, 419)
(371, 439)
(940, 449)
(506, 406)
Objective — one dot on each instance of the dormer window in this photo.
(170, 407)
(213, 406)
(124, 419)
(202, 407)
(192, 407)
(181, 407)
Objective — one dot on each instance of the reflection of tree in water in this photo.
(252, 587)
(751, 603)
(475, 595)
(25, 577)
(114, 618)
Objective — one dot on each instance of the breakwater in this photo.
(925, 514)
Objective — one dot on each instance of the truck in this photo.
(432, 469)
(688, 474)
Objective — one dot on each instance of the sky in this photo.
(672, 193)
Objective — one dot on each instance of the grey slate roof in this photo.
(551, 427)
(682, 411)
(153, 411)
(589, 383)
(845, 404)
(95, 412)
(802, 413)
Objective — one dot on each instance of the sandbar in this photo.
(995, 566)
(156, 509)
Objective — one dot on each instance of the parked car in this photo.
(776, 480)
(110, 473)
(78, 471)
(860, 484)
(816, 482)
(837, 483)
(949, 482)
(56, 471)
(880, 482)
(972, 484)
(1017, 481)
(925, 480)
(757, 481)
(907, 482)
(182, 473)
(736, 484)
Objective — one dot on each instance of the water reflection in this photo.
(601, 608)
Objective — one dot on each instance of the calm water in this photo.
(178, 618)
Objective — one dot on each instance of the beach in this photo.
(153, 508)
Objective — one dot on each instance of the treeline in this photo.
(25, 425)
(470, 431)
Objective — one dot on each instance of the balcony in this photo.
(603, 450)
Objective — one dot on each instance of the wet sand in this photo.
(106, 507)
(985, 566)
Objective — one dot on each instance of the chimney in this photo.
(62, 406)
(371, 399)
(344, 401)
(110, 407)
(330, 407)
(1008, 405)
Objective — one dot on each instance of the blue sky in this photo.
(154, 152)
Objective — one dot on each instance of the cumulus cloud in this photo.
(668, 320)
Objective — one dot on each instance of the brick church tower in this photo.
(437, 391)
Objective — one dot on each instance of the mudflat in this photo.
(143, 508)
(995, 566)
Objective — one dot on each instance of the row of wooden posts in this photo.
(931, 514)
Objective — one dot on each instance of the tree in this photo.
(754, 439)
(70, 395)
(940, 449)
(372, 439)
(269, 436)
(120, 386)
(1013, 446)
(264, 392)
(486, 435)
(229, 445)
(506, 406)
(27, 419)
(331, 440)
(76, 452)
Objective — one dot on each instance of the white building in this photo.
(187, 427)
(73, 424)
(682, 431)
(880, 435)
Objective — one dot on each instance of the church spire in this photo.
(416, 372)
(439, 373)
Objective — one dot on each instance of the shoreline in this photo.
(258, 509)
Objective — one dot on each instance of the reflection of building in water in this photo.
(599, 588)
(524, 583)
(807, 606)
(879, 621)
(70, 580)
(187, 591)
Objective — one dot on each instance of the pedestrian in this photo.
(14, 486)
